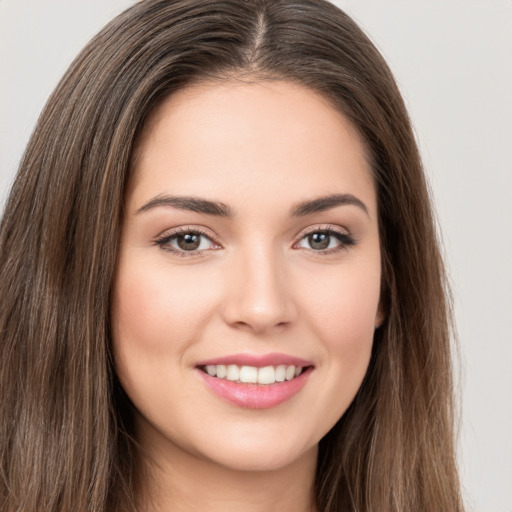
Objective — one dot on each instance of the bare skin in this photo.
(251, 230)
(180, 485)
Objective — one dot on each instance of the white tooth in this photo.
(211, 370)
(221, 371)
(266, 375)
(249, 374)
(280, 373)
(232, 372)
(290, 372)
(298, 371)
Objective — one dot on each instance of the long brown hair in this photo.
(66, 440)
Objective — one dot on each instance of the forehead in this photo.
(255, 139)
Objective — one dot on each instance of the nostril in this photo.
(258, 296)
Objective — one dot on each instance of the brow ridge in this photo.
(194, 204)
(324, 203)
(217, 208)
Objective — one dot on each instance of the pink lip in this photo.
(273, 359)
(255, 396)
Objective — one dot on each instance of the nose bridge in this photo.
(259, 295)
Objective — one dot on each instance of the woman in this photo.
(222, 286)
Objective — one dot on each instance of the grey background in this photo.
(453, 61)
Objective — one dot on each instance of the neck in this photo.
(180, 482)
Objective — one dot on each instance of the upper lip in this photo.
(257, 360)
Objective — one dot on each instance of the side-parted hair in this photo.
(66, 428)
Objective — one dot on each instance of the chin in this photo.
(262, 459)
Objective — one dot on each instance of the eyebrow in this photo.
(193, 204)
(199, 205)
(322, 204)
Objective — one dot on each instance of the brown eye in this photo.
(319, 241)
(186, 243)
(189, 241)
(325, 241)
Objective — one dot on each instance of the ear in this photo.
(380, 317)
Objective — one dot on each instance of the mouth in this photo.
(265, 375)
(255, 381)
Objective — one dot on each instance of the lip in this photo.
(259, 361)
(255, 396)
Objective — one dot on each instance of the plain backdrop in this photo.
(453, 62)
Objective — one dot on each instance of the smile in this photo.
(255, 381)
(265, 375)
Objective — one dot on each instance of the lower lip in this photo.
(255, 396)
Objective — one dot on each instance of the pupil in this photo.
(319, 240)
(189, 242)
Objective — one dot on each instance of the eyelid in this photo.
(188, 228)
(323, 227)
(163, 238)
(344, 236)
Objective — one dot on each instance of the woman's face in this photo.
(250, 252)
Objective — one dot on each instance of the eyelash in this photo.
(164, 241)
(345, 240)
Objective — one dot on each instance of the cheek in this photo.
(344, 304)
(156, 318)
(153, 307)
(342, 310)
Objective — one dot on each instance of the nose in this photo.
(259, 292)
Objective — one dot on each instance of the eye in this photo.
(325, 240)
(186, 242)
